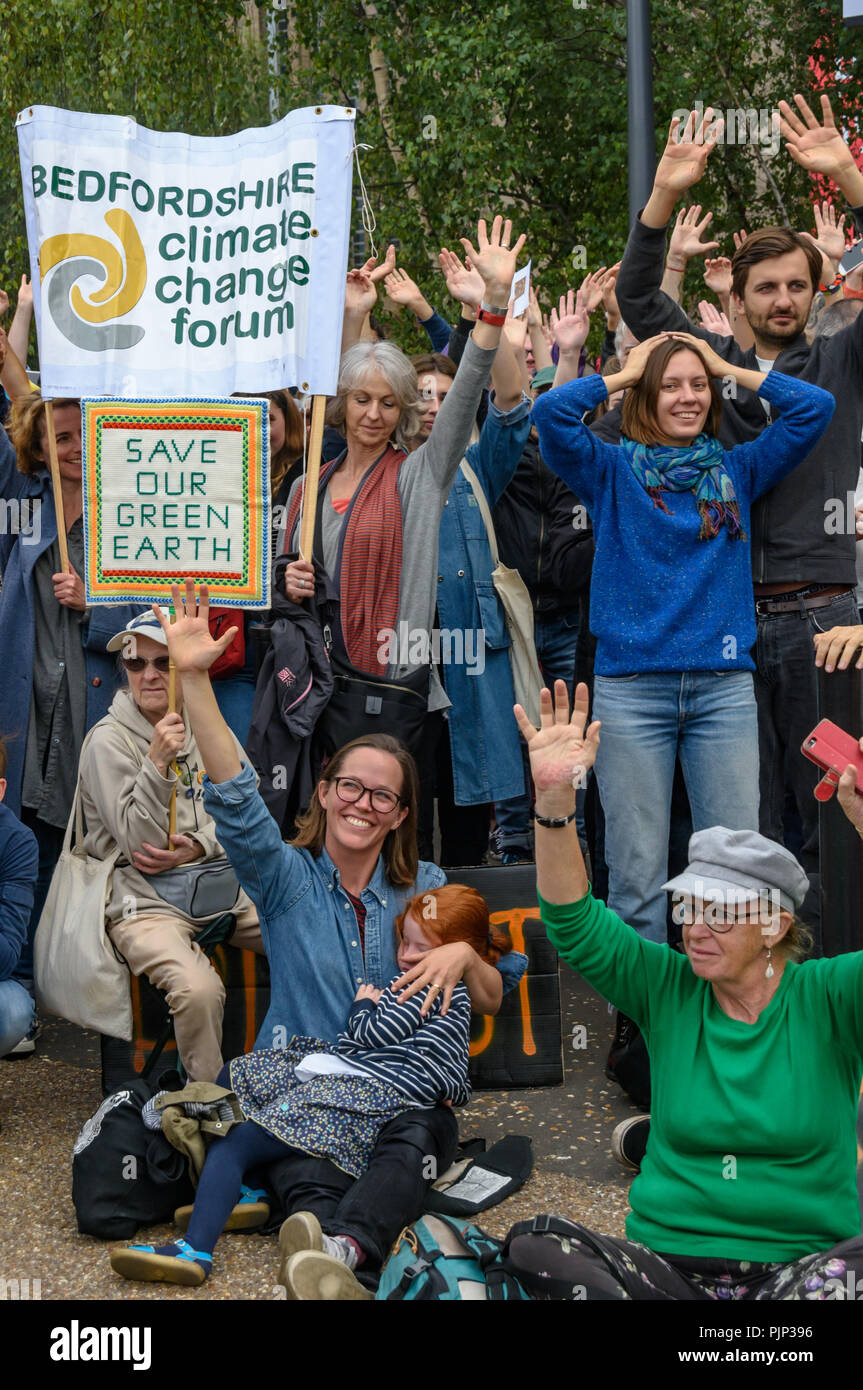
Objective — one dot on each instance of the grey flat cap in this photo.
(741, 865)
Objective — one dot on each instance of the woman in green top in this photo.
(747, 1188)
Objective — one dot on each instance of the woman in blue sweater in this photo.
(671, 593)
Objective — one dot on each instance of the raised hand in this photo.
(386, 267)
(570, 323)
(687, 151)
(591, 289)
(560, 750)
(401, 288)
(717, 274)
(685, 239)
(515, 330)
(817, 146)
(25, 294)
(739, 238)
(4, 304)
(609, 295)
(534, 313)
(495, 257)
(463, 283)
(829, 239)
(360, 293)
(190, 645)
(713, 319)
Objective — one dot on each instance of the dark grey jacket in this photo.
(794, 536)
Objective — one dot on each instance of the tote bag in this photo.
(78, 976)
(518, 611)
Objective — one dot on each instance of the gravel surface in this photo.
(45, 1098)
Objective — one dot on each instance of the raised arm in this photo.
(495, 261)
(685, 243)
(819, 147)
(645, 308)
(19, 329)
(590, 938)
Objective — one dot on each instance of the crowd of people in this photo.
(650, 534)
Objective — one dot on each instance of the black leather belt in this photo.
(782, 603)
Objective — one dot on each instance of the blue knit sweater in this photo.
(661, 599)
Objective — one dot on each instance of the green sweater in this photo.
(752, 1151)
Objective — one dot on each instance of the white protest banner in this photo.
(520, 295)
(176, 489)
(168, 264)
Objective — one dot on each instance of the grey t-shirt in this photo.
(424, 482)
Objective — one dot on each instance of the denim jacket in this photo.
(486, 755)
(307, 922)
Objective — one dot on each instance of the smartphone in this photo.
(851, 260)
(832, 749)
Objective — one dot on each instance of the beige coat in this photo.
(126, 802)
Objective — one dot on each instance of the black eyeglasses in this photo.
(349, 789)
(139, 663)
(719, 918)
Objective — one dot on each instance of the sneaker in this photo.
(516, 854)
(302, 1231)
(27, 1046)
(310, 1276)
(629, 1141)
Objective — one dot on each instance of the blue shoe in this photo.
(176, 1263)
(250, 1214)
(516, 854)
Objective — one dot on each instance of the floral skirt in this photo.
(335, 1117)
(581, 1264)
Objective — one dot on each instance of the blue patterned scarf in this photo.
(697, 468)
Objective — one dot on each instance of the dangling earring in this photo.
(769, 972)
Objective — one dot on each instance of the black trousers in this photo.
(412, 1152)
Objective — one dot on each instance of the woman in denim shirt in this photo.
(327, 907)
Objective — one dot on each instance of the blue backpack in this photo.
(442, 1258)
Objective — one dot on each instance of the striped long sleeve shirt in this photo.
(424, 1058)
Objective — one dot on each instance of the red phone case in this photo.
(831, 748)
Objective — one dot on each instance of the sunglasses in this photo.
(139, 663)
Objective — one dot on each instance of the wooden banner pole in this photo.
(172, 709)
(57, 487)
(313, 472)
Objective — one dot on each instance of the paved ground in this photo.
(45, 1099)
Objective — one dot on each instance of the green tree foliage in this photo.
(170, 64)
(467, 107)
(523, 105)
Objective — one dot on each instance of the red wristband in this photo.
(483, 316)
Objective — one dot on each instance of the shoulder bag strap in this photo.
(482, 503)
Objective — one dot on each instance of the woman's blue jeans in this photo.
(710, 718)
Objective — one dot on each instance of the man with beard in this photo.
(803, 565)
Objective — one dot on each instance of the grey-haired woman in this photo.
(747, 1188)
(379, 507)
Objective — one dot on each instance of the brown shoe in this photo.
(310, 1276)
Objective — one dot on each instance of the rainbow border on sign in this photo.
(251, 588)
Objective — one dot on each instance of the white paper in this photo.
(520, 296)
